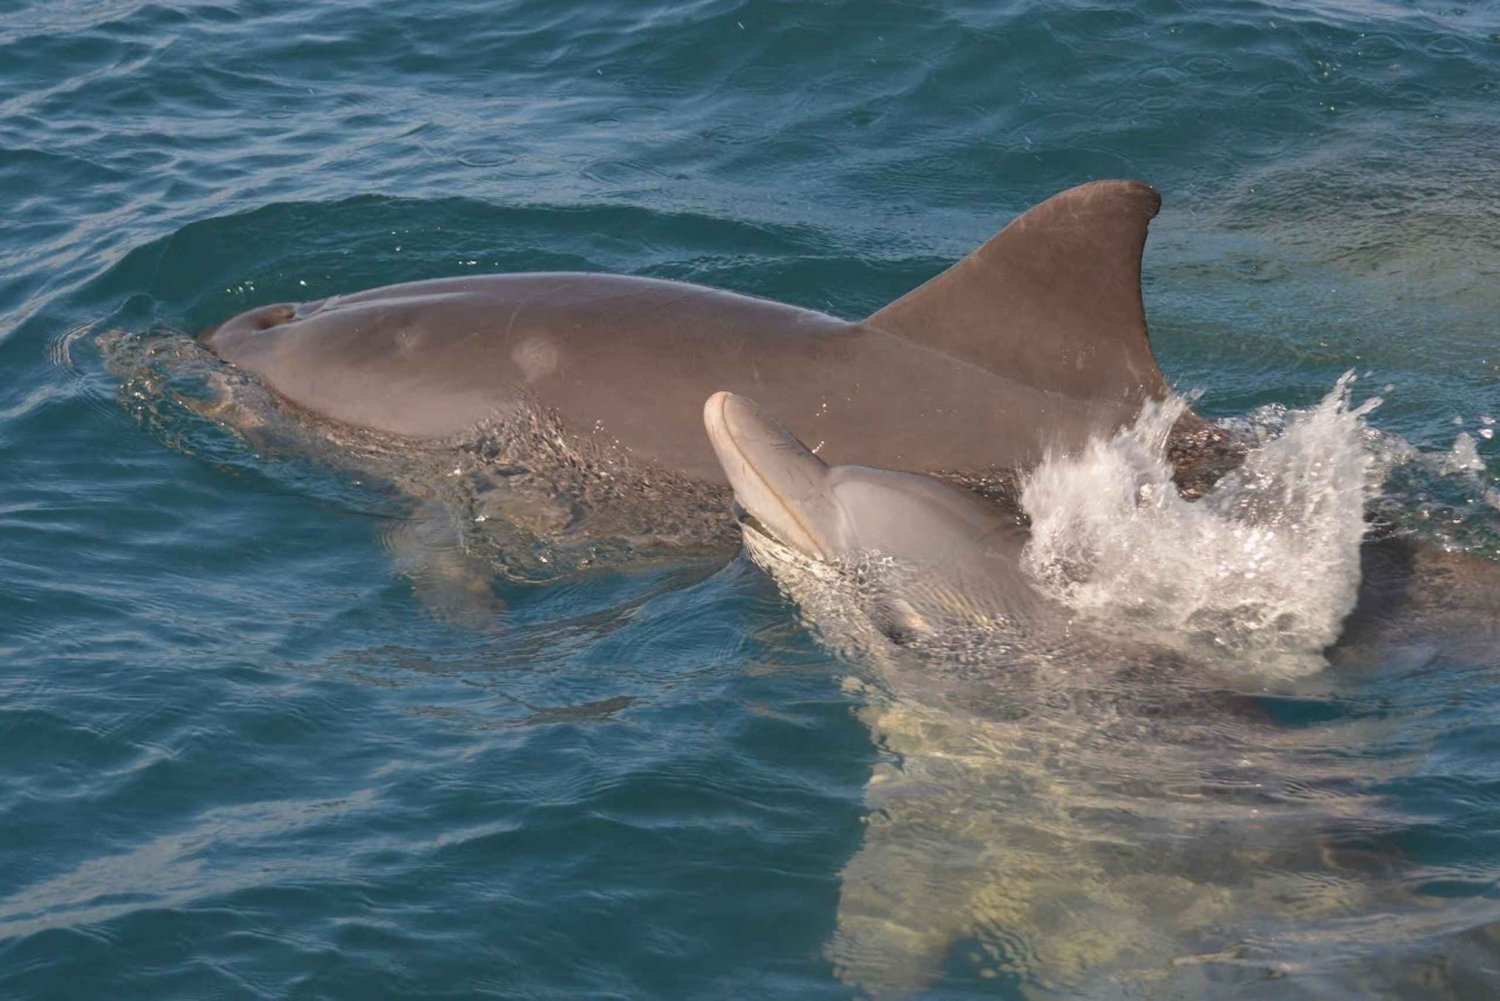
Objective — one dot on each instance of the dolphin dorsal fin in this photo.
(1052, 300)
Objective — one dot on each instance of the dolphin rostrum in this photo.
(1037, 339)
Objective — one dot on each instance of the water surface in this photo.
(241, 756)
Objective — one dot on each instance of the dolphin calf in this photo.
(1036, 339)
(973, 826)
(1078, 807)
(955, 560)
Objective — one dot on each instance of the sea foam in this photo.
(1261, 571)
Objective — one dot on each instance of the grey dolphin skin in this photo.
(965, 548)
(1036, 339)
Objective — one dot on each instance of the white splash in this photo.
(1261, 571)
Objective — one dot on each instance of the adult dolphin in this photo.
(1036, 339)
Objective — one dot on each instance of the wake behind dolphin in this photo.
(1262, 570)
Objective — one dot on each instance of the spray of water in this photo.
(1260, 572)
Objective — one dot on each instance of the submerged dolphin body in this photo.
(1037, 339)
(1058, 801)
(970, 829)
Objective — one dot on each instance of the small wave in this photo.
(1263, 569)
(1463, 457)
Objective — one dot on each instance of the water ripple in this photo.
(249, 751)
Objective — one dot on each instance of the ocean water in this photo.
(243, 754)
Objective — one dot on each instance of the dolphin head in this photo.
(829, 513)
(779, 485)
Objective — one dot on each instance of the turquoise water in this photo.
(241, 757)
